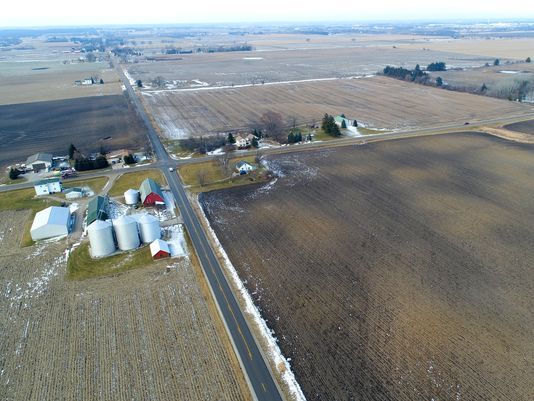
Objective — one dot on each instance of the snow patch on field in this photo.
(508, 72)
(128, 76)
(37, 285)
(252, 58)
(273, 351)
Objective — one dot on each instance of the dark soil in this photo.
(400, 270)
(526, 127)
(88, 123)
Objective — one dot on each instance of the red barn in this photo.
(151, 193)
(159, 249)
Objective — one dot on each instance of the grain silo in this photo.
(131, 197)
(149, 228)
(126, 233)
(101, 238)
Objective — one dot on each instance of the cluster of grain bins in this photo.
(125, 233)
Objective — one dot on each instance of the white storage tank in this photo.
(126, 233)
(101, 238)
(131, 197)
(149, 228)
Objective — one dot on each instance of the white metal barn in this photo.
(51, 222)
(46, 187)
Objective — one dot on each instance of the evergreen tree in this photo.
(298, 137)
(483, 88)
(255, 143)
(497, 62)
(354, 123)
(129, 159)
(14, 174)
(439, 81)
(343, 123)
(527, 60)
(139, 83)
(72, 150)
(291, 138)
(101, 81)
(230, 139)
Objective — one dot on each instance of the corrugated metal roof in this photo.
(147, 187)
(44, 157)
(53, 215)
(159, 245)
(97, 209)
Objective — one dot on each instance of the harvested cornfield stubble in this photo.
(398, 270)
(378, 102)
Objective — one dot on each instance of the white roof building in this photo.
(49, 186)
(159, 249)
(39, 161)
(51, 222)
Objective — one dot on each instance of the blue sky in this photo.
(63, 12)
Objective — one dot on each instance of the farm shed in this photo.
(50, 222)
(39, 161)
(73, 193)
(243, 167)
(97, 209)
(159, 249)
(46, 187)
(151, 193)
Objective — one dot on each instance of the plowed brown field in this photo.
(399, 270)
(378, 102)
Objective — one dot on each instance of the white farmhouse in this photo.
(47, 187)
(241, 142)
(51, 222)
(243, 167)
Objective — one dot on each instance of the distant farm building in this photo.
(159, 249)
(117, 156)
(243, 167)
(39, 161)
(244, 141)
(97, 209)
(51, 222)
(151, 193)
(88, 81)
(47, 187)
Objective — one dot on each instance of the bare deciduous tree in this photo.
(258, 157)
(223, 161)
(273, 125)
(201, 176)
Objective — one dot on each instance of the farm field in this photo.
(406, 270)
(526, 127)
(513, 48)
(144, 334)
(237, 68)
(51, 126)
(499, 80)
(42, 80)
(378, 102)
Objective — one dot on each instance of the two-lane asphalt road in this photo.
(255, 368)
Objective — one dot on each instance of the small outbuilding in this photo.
(39, 161)
(48, 186)
(151, 193)
(73, 193)
(159, 249)
(97, 209)
(50, 222)
(243, 167)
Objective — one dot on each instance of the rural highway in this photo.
(256, 371)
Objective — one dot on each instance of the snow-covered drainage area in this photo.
(273, 352)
